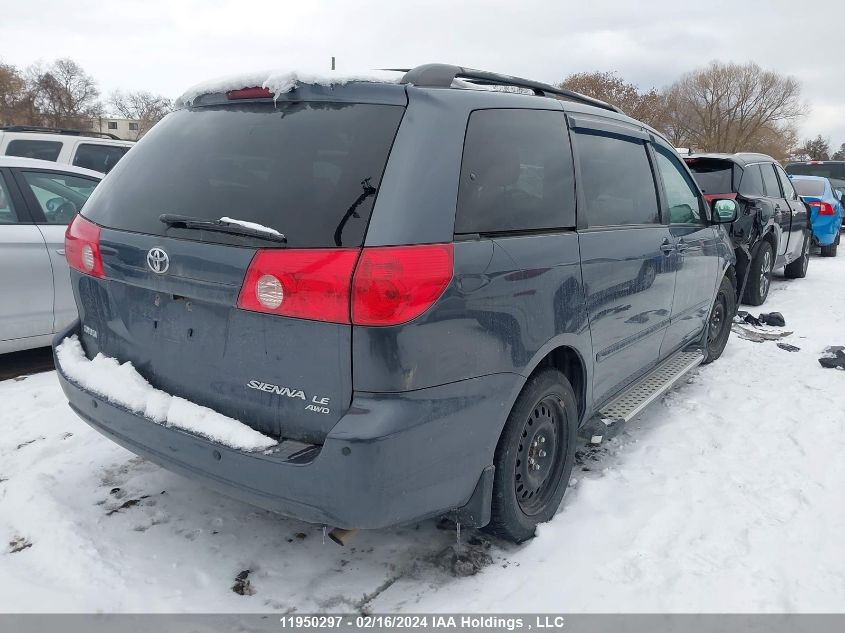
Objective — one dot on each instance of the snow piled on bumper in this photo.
(121, 384)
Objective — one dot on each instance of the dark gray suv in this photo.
(418, 292)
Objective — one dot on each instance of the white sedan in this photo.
(37, 200)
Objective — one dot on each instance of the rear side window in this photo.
(516, 173)
(7, 211)
(98, 157)
(713, 175)
(309, 170)
(808, 187)
(770, 181)
(751, 184)
(617, 181)
(42, 150)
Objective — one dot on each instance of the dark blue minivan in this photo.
(419, 292)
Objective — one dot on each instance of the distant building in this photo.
(125, 129)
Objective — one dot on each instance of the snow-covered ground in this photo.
(727, 496)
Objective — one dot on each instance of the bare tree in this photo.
(65, 95)
(144, 107)
(815, 149)
(648, 106)
(734, 107)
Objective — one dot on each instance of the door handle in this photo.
(60, 251)
(682, 246)
(666, 247)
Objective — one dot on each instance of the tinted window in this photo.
(823, 170)
(770, 181)
(752, 182)
(681, 195)
(785, 183)
(7, 211)
(617, 181)
(712, 174)
(43, 150)
(60, 196)
(309, 170)
(808, 187)
(516, 173)
(98, 157)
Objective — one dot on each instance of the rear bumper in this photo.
(825, 229)
(393, 458)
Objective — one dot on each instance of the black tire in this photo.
(530, 481)
(759, 275)
(830, 251)
(798, 268)
(718, 328)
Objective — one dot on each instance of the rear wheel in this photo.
(534, 456)
(798, 268)
(719, 324)
(830, 251)
(759, 275)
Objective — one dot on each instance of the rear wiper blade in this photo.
(201, 224)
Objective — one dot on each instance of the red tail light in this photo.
(303, 283)
(249, 93)
(823, 208)
(388, 286)
(82, 247)
(395, 284)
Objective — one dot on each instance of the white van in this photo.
(99, 152)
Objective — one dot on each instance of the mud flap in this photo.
(476, 512)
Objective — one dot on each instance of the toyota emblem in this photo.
(157, 260)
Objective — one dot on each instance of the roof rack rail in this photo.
(59, 130)
(442, 76)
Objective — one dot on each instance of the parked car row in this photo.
(781, 216)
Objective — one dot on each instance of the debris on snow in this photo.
(242, 586)
(772, 318)
(121, 384)
(788, 347)
(18, 544)
(758, 336)
(834, 357)
(127, 504)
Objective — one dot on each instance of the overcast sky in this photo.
(165, 46)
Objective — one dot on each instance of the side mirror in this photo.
(840, 195)
(725, 211)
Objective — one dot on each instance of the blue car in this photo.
(826, 210)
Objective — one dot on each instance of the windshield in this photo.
(713, 175)
(808, 187)
(308, 170)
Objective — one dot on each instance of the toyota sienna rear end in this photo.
(224, 259)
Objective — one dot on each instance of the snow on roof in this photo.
(282, 81)
(121, 384)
